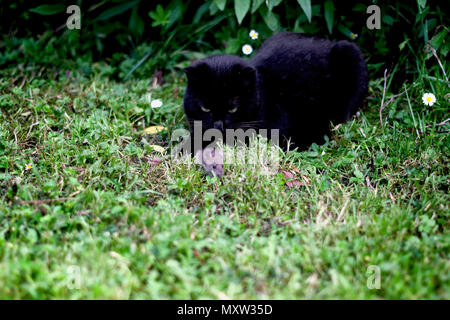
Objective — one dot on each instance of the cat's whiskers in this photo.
(249, 124)
(246, 125)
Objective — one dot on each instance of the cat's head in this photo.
(221, 92)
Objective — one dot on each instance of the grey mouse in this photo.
(212, 161)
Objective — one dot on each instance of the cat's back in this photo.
(293, 67)
(292, 52)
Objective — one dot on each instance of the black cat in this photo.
(294, 83)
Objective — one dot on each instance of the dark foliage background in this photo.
(137, 38)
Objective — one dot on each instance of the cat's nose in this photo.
(218, 125)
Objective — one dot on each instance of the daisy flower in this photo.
(28, 167)
(157, 103)
(253, 34)
(353, 36)
(247, 49)
(428, 99)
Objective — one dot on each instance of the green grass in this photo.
(95, 205)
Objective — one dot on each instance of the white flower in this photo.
(428, 99)
(28, 167)
(247, 49)
(253, 34)
(156, 103)
(353, 35)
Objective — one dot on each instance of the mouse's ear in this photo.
(196, 71)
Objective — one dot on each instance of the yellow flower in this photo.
(247, 49)
(428, 99)
(157, 148)
(153, 129)
(253, 34)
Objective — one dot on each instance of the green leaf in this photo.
(273, 3)
(329, 15)
(256, 4)
(139, 63)
(48, 9)
(116, 10)
(220, 4)
(200, 12)
(358, 173)
(176, 12)
(136, 23)
(213, 8)
(271, 19)
(402, 45)
(345, 31)
(387, 19)
(445, 48)
(233, 46)
(306, 7)
(425, 31)
(160, 16)
(422, 3)
(241, 8)
(437, 40)
(359, 7)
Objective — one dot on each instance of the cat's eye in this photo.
(205, 109)
(233, 110)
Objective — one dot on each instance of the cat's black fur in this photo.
(294, 83)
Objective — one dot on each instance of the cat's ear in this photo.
(196, 71)
(245, 74)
